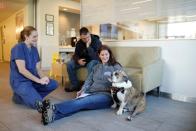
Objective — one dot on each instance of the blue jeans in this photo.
(91, 102)
(72, 67)
(28, 92)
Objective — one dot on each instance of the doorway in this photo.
(2, 42)
(69, 25)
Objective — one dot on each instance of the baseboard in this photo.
(177, 97)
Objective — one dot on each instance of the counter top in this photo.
(66, 49)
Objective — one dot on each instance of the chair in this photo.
(143, 65)
(58, 68)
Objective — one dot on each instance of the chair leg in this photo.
(62, 80)
(158, 91)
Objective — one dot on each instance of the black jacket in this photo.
(90, 53)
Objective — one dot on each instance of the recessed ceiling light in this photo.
(141, 2)
(64, 9)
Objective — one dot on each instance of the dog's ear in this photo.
(109, 79)
(125, 78)
(123, 73)
(108, 75)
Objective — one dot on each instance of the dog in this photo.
(125, 95)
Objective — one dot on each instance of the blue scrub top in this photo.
(31, 57)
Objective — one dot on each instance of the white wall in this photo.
(50, 44)
(179, 67)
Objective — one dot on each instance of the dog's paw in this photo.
(129, 118)
(125, 109)
(114, 106)
(119, 112)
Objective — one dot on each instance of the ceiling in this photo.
(8, 7)
(110, 11)
(68, 9)
(120, 10)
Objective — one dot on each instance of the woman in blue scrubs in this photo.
(28, 82)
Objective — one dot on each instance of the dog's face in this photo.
(119, 76)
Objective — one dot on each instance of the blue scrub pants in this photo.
(91, 102)
(28, 92)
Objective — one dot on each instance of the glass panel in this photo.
(140, 19)
(145, 30)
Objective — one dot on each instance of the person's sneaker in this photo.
(39, 106)
(46, 108)
(47, 112)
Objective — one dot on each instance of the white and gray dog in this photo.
(125, 95)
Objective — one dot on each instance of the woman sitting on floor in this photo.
(95, 93)
(28, 82)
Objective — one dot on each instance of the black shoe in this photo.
(71, 89)
(47, 110)
(39, 106)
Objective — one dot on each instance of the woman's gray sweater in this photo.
(97, 80)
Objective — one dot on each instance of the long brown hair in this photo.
(112, 61)
(26, 31)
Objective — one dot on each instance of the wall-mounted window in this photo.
(109, 31)
(185, 30)
(141, 19)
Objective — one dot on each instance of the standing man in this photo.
(85, 55)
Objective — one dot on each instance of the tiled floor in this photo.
(161, 114)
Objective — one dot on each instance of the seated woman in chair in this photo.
(95, 93)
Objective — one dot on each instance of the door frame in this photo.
(2, 42)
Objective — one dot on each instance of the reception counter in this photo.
(65, 49)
